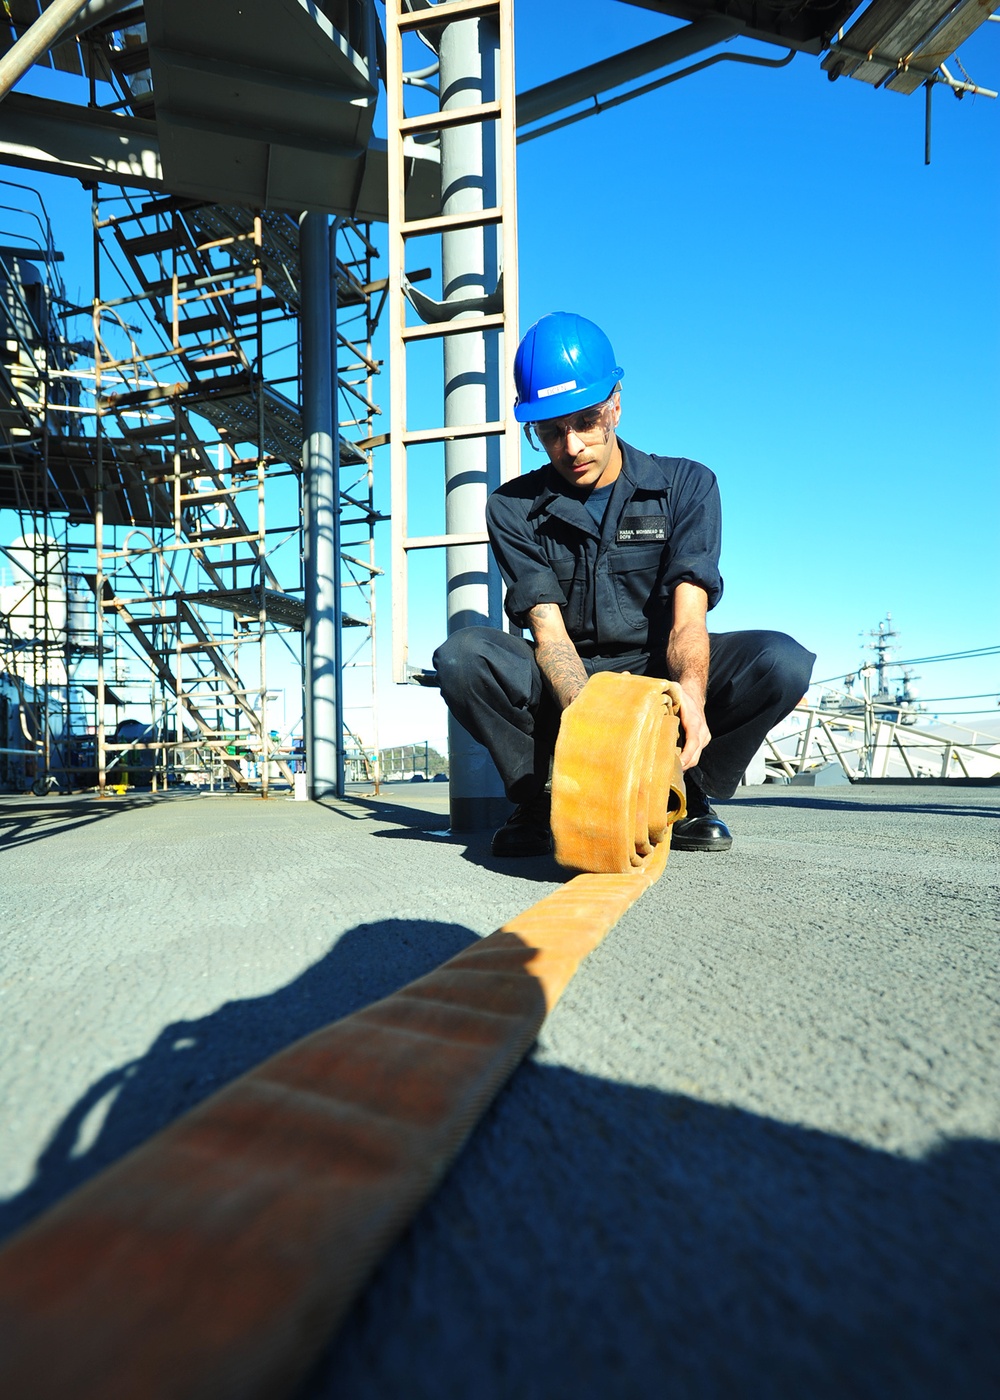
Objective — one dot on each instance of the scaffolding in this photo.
(177, 442)
(361, 300)
(38, 644)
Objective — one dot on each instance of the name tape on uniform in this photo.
(641, 529)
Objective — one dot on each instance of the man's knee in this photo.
(786, 665)
(459, 660)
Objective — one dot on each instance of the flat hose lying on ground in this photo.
(215, 1261)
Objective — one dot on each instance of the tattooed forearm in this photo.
(562, 669)
(557, 657)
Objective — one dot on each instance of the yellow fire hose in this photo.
(216, 1260)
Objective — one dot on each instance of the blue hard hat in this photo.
(564, 363)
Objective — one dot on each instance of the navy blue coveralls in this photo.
(614, 582)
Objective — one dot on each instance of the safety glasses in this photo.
(589, 424)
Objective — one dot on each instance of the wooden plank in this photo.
(894, 29)
(366, 444)
(941, 44)
(960, 25)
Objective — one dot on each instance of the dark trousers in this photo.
(495, 690)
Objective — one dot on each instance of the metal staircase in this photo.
(194, 587)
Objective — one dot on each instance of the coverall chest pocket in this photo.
(634, 571)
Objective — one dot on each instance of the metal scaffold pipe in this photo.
(37, 40)
(469, 56)
(321, 639)
(624, 67)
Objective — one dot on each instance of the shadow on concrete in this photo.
(418, 824)
(191, 1059)
(476, 850)
(602, 1240)
(27, 819)
(599, 1239)
(874, 808)
(366, 808)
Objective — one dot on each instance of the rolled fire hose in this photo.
(216, 1260)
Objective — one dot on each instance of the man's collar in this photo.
(556, 497)
(640, 470)
(552, 489)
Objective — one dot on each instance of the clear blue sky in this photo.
(803, 305)
(798, 302)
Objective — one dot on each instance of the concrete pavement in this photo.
(755, 1152)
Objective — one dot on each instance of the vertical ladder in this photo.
(499, 316)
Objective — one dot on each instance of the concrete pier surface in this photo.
(756, 1151)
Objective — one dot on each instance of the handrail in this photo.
(870, 728)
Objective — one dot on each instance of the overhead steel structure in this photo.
(233, 121)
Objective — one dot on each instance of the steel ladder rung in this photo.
(453, 116)
(466, 430)
(444, 541)
(463, 327)
(446, 223)
(445, 13)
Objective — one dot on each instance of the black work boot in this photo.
(526, 832)
(701, 829)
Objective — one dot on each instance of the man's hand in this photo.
(697, 735)
(687, 664)
(557, 657)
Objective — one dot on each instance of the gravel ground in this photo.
(754, 1153)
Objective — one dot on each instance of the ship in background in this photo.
(893, 698)
(874, 727)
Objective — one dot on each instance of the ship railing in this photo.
(864, 746)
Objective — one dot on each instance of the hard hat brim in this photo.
(537, 410)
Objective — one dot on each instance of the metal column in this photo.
(470, 268)
(322, 633)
